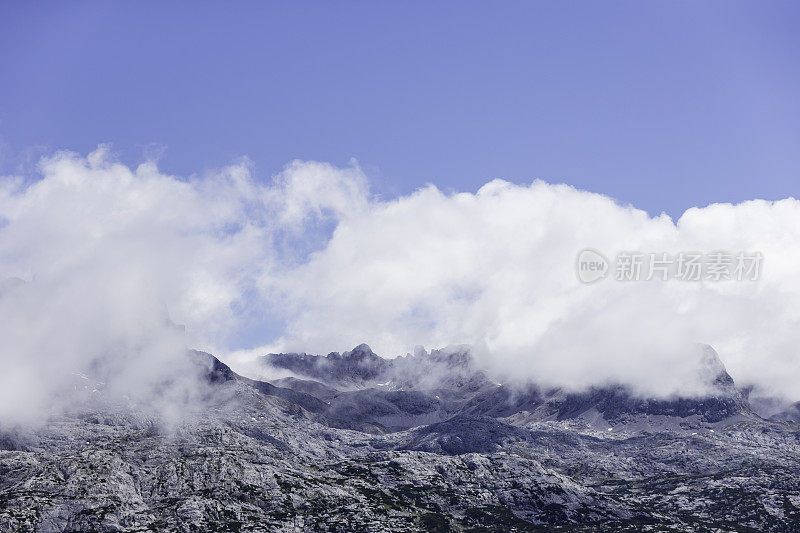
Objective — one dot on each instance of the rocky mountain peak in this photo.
(712, 369)
(356, 366)
(362, 352)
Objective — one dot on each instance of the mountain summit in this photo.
(366, 392)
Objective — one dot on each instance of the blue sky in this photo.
(664, 105)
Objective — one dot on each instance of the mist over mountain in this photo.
(555, 404)
(427, 441)
(105, 259)
(366, 392)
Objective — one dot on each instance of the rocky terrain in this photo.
(355, 442)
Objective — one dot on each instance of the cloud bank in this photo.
(101, 261)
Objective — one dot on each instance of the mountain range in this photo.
(355, 442)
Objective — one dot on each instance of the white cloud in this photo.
(113, 257)
(495, 269)
(111, 254)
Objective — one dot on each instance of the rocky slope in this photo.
(354, 442)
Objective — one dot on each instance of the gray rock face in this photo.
(354, 367)
(379, 445)
(463, 434)
(790, 414)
